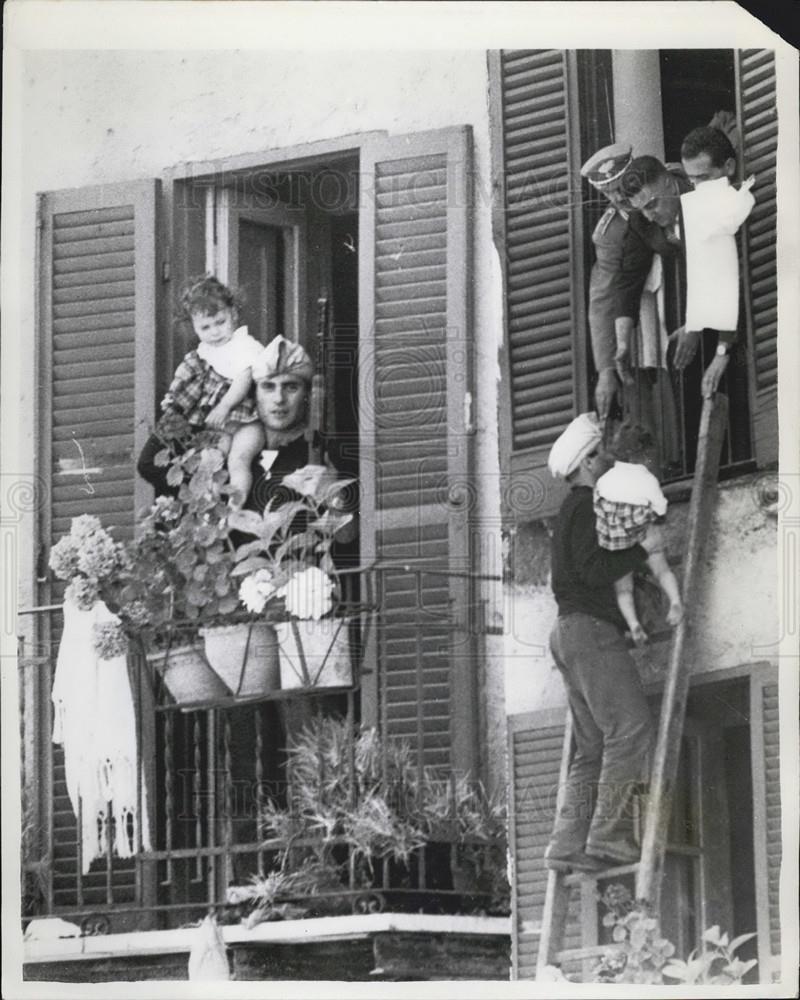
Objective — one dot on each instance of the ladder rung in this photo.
(575, 878)
(578, 954)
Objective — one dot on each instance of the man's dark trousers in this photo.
(613, 733)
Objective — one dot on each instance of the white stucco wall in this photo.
(91, 117)
(735, 621)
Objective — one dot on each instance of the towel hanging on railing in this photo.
(94, 719)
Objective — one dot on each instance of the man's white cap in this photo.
(580, 438)
(282, 357)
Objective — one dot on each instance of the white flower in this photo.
(311, 481)
(308, 593)
(256, 590)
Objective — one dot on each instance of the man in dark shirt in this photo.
(611, 722)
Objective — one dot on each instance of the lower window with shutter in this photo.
(722, 865)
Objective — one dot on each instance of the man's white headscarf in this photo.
(282, 357)
(579, 439)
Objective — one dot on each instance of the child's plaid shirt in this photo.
(627, 499)
(621, 525)
(195, 390)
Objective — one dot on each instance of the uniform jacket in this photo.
(642, 239)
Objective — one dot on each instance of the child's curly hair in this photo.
(632, 442)
(207, 295)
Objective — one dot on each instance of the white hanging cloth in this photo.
(94, 720)
(712, 214)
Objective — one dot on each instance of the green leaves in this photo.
(641, 955)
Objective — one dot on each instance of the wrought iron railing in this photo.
(205, 775)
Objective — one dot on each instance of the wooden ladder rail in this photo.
(663, 774)
(713, 424)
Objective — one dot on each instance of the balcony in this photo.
(235, 825)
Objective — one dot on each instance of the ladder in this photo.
(649, 869)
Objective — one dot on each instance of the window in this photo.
(380, 226)
(549, 106)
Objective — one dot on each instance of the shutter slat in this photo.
(96, 305)
(99, 246)
(88, 282)
(96, 230)
(92, 262)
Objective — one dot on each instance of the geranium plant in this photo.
(189, 534)
(287, 570)
(641, 955)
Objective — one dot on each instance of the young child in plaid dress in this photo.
(627, 500)
(212, 385)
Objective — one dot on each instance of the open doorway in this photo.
(287, 241)
(695, 85)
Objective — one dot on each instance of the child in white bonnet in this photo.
(627, 500)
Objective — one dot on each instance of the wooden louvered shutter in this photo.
(416, 443)
(758, 127)
(95, 400)
(535, 747)
(540, 234)
(97, 327)
(765, 744)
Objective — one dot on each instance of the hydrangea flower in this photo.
(109, 640)
(64, 558)
(85, 525)
(256, 590)
(82, 592)
(98, 555)
(308, 593)
(136, 614)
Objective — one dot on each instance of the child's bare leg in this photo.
(247, 442)
(625, 603)
(659, 567)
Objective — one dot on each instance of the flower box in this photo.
(187, 675)
(315, 653)
(245, 656)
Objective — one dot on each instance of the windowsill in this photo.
(306, 931)
(680, 490)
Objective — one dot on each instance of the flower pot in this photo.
(187, 675)
(315, 653)
(226, 649)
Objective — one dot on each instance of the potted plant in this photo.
(337, 822)
(289, 579)
(190, 535)
(460, 811)
(355, 800)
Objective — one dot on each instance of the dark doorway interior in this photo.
(739, 779)
(695, 84)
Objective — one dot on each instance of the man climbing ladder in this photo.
(573, 456)
(611, 722)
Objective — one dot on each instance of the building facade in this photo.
(441, 215)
